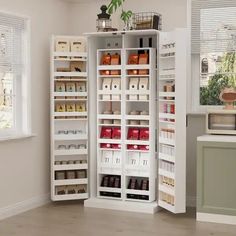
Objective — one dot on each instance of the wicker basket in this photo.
(147, 20)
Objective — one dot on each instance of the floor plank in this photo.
(72, 219)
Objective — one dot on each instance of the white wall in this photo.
(24, 164)
(83, 19)
(84, 15)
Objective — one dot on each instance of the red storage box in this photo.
(144, 134)
(106, 132)
(143, 147)
(116, 146)
(116, 133)
(132, 147)
(105, 145)
(133, 134)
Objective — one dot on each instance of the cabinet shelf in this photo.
(70, 114)
(67, 197)
(70, 167)
(166, 173)
(167, 141)
(61, 137)
(166, 157)
(69, 54)
(71, 152)
(110, 141)
(166, 189)
(70, 94)
(70, 74)
(70, 182)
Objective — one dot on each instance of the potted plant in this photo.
(125, 15)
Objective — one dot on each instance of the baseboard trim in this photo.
(191, 201)
(215, 218)
(24, 206)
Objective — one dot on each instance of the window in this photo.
(14, 75)
(213, 50)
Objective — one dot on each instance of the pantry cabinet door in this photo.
(172, 65)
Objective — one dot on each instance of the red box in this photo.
(116, 133)
(106, 132)
(105, 145)
(133, 134)
(143, 147)
(144, 134)
(132, 147)
(116, 146)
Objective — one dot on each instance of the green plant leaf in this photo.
(113, 5)
(126, 15)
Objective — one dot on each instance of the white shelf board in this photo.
(167, 122)
(70, 114)
(84, 59)
(137, 142)
(166, 116)
(70, 182)
(166, 173)
(167, 72)
(141, 207)
(70, 119)
(67, 197)
(113, 141)
(137, 192)
(71, 167)
(70, 152)
(167, 57)
(135, 76)
(168, 50)
(166, 157)
(110, 125)
(110, 76)
(138, 126)
(70, 94)
(137, 92)
(167, 141)
(110, 149)
(137, 173)
(70, 99)
(109, 117)
(139, 151)
(70, 79)
(166, 79)
(166, 189)
(70, 74)
(111, 190)
(138, 67)
(61, 137)
(137, 117)
(101, 92)
(166, 206)
(70, 54)
(109, 171)
(109, 67)
(167, 94)
(167, 100)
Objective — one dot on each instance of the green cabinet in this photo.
(216, 175)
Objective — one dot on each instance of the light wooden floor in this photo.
(71, 219)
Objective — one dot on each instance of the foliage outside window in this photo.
(217, 52)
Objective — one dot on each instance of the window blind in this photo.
(12, 30)
(213, 25)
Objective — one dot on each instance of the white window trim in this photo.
(26, 125)
(193, 101)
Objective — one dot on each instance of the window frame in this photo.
(194, 106)
(22, 102)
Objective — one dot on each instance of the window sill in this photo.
(17, 137)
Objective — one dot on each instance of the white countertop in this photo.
(217, 138)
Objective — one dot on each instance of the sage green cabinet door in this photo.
(216, 178)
